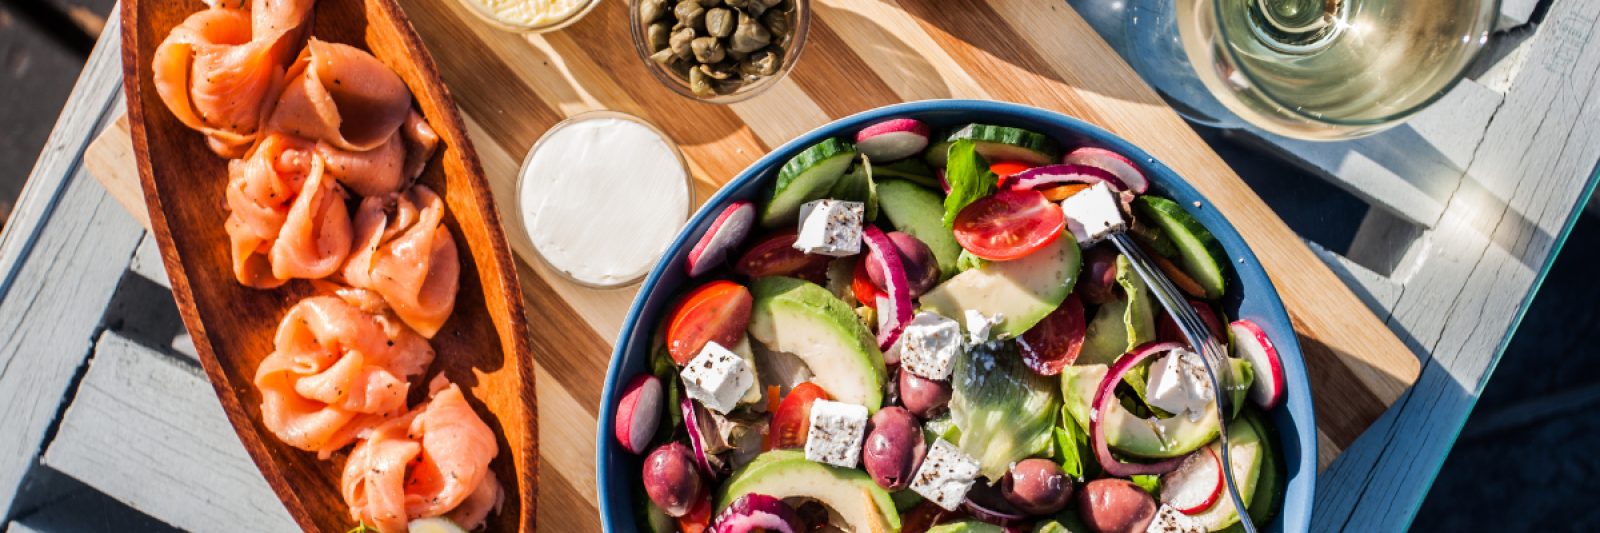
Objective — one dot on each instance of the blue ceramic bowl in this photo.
(1250, 293)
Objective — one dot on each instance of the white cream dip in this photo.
(601, 198)
(531, 13)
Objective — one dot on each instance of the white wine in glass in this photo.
(1319, 69)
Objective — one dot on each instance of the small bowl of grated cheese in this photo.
(530, 16)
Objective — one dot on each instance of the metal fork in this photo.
(1211, 353)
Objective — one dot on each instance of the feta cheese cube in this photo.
(928, 347)
(1179, 384)
(978, 326)
(717, 377)
(1169, 520)
(1093, 214)
(946, 475)
(830, 227)
(837, 430)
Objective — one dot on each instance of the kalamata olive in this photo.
(1115, 506)
(1037, 486)
(1099, 282)
(922, 269)
(894, 448)
(671, 479)
(923, 397)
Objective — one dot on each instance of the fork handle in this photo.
(1211, 354)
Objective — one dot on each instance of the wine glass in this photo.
(1307, 69)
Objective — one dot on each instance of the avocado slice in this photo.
(802, 318)
(1247, 458)
(1120, 325)
(1271, 482)
(787, 474)
(1141, 437)
(1066, 521)
(919, 212)
(1021, 291)
(967, 526)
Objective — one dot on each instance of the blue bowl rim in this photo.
(1297, 409)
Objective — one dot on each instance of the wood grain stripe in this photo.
(563, 507)
(483, 84)
(844, 84)
(1345, 407)
(895, 46)
(711, 135)
(563, 344)
(782, 113)
(982, 43)
(567, 442)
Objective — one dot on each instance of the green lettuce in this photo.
(1120, 325)
(969, 178)
(1005, 411)
(857, 186)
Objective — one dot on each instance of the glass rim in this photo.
(522, 172)
(1255, 82)
(791, 56)
(505, 25)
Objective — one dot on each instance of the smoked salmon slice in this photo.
(287, 217)
(429, 462)
(335, 372)
(388, 168)
(342, 95)
(221, 69)
(404, 253)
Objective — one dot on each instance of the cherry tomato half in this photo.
(1008, 225)
(792, 423)
(699, 518)
(1005, 169)
(774, 255)
(717, 311)
(1056, 341)
(861, 284)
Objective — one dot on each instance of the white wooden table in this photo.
(100, 394)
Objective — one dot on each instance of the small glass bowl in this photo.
(791, 56)
(521, 229)
(476, 8)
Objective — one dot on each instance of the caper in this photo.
(750, 36)
(728, 86)
(761, 63)
(662, 56)
(777, 22)
(708, 4)
(737, 56)
(650, 10)
(700, 83)
(707, 49)
(690, 15)
(755, 8)
(680, 43)
(740, 4)
(770, 3)
(720, 22)
(659, 35)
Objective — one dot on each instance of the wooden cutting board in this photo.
(860, 54)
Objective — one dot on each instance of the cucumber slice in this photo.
(809, 176)
(997, 143)
(912, 170)
(857, 186)
(1199, 253)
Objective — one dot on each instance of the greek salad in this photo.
(921, 331)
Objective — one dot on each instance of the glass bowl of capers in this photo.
(719, 51)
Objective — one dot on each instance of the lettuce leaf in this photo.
(1005, 411)
(1120, 325)
(969, 177)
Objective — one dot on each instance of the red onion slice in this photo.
(691, 421)
(1034, 178)
(753, 512)
(1102, 402)
(894, 310)
(985, 503)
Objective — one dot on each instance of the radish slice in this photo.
(1102, 401)
(639, 412)
(691, 421)
(1195, 486)
(725, 234)
(893, 140)
(758, 512)
(1252, 344)
(1034, 178)
(1112, 162)
(894, 309)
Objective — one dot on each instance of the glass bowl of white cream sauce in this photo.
(530, 16)
(601, 196)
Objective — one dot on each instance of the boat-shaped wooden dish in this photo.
(484, 346)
